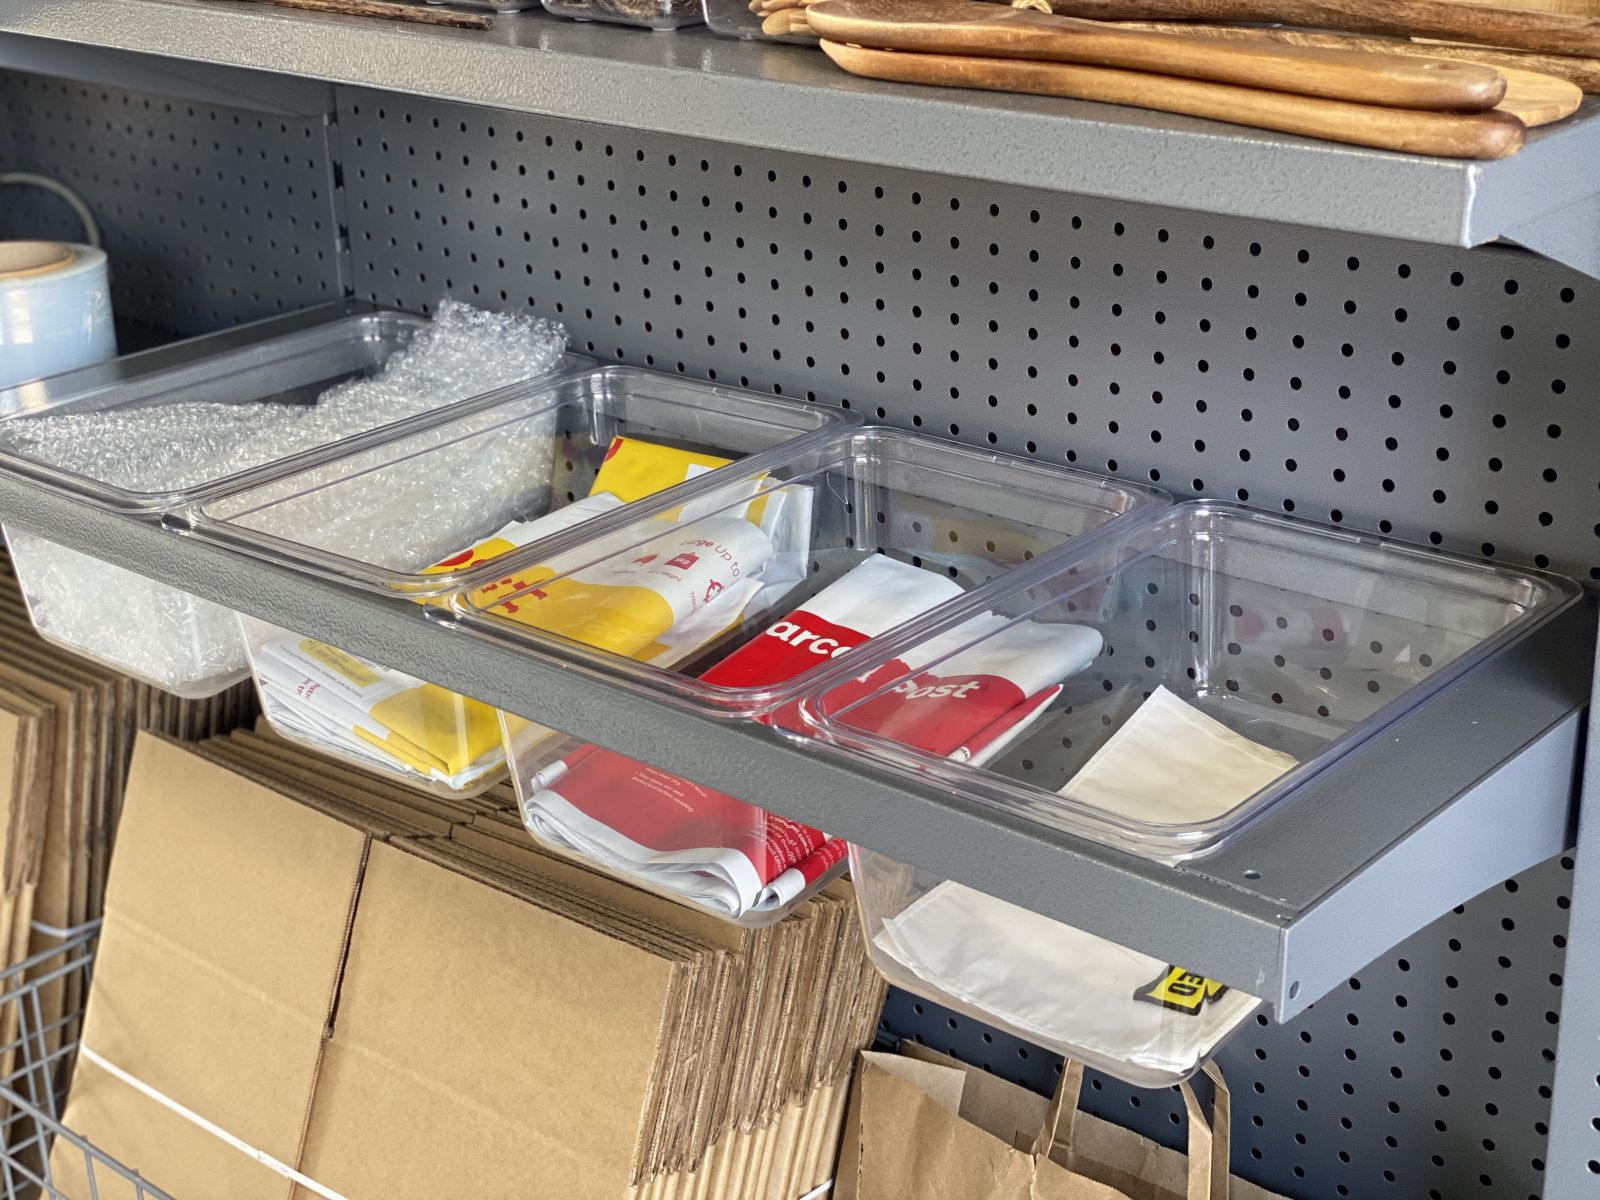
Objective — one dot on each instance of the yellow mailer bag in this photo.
(662, 599)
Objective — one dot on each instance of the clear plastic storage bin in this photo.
(294, 368)
(958, 517)
(874, 530)
(1238, 654)
(651, 14)
(161, 634)
(425, 512)
(1150, 1023)
(770, 23)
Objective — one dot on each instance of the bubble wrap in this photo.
(424, 508)
(408, 504)
(464, 352)
(156, 633)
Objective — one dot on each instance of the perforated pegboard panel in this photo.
(211, 215)
(1415, 390)
(1438, 395)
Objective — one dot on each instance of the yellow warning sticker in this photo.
(1181, 990)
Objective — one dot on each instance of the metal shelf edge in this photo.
(695, 84)
(1496, 829)
(1191, 916)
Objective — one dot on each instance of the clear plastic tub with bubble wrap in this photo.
(754, 21)
(1235, 653)
(869, 532)
(146, 441)
(426, 513)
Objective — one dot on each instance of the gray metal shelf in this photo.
(1473, 787)
(692, 83)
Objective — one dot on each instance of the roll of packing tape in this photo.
(55, 310)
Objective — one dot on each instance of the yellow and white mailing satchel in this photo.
(660, 602)
(628, 603)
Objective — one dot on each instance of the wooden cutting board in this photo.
(1549, 33)
(1585, 72)
(1453, 135)
(1533, 93)
(1536, 99)
(972, 29)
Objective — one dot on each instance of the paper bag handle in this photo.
(1209, 1141)
(1058, 1118)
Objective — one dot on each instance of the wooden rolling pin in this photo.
(969, 28)
(1452, 135)
(1585, 72)
(1549, 33)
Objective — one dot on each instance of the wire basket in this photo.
(36, 1057)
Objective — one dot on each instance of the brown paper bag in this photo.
(1124, 1164)
(926, 1127)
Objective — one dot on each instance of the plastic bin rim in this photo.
(1144, 501)
(312, 319)
(1141, 495)
(164, 504)
(836, 443)
(133, 500)
(1184, 510)
(1169, 841)
(1138, 524)
(735, 702)
(193, 519)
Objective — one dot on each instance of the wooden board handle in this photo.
(1533, 96)
(966, 27)
(1451, 135)
(1549, 33)
(1585, 72)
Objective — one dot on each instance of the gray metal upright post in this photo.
(1573, 1160)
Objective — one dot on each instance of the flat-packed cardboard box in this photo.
(787, 1158)
(226, 919)
(521, 1004)
(311, 961)
(809, 999)
(59, 829)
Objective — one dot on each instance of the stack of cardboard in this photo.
(398, 995)
(67, 726)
